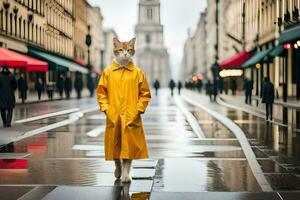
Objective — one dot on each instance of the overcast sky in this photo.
(176, 16)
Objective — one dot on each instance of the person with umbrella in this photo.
(8, 85)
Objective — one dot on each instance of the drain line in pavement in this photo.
(238, 132)
(221, 102)
(190, 118)
(63, 112)
(72, 118)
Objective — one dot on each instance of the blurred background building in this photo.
(152, 55)
(255, 38)
(53, 31)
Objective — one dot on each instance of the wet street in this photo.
(198, 150)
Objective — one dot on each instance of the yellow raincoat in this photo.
(123, 94)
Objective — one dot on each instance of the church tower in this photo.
(152, 56)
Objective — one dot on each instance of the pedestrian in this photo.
(156, 86)
(8, 85)
(268, 97)
(209, 89)
(221, 85)
(199, 85)
(39, 87)
(248, 87)
(123, 94)
(68, 86)
(172, 85)
(233, 86)
(91, 86)
(215, 87)
(179, 86)
(50, 88)
(78, 85)
(23, 87)
(60, 84)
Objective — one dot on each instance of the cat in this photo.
(123, 51)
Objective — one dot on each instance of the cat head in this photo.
(124, 50)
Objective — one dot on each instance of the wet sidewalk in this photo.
(258, 108)
(276, 147)
(32, 96)
(192, 156)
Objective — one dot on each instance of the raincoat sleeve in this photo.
(144, 93)
(102, 92)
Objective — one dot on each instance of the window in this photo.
(1, 19)
(149, 13)
(24, 31)
(16, 25)
(11, 23)
(20, 27)
(148, 39)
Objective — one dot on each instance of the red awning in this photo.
(8, 58)
(80, 62)
(96, 70)
(30, 64)
(236, 61)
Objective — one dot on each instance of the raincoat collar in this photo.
(116, 65)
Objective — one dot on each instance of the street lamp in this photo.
(88, 42)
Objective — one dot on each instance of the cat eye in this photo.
(120, 49)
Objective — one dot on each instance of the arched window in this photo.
(36, 33)
(24, 29)
(16, 25)
(148, 38)
(149, 13)
(1, 19)
(20, 27)
(32, 32)
(28, 31)
(11, 23)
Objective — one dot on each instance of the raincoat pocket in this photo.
(133, 114)
(110, 114)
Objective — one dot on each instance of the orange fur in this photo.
(120, 47)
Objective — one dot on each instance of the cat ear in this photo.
(132, 41)
(116, 41)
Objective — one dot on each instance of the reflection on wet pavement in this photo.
(193, 175)
(73, 155)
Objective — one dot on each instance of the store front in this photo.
(290, 39)
(58, 65)
(231, 71)
(22, 64)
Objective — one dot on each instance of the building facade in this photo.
(151, 54)
(59, 27)
(194, 53)
(200, 45)
(22, 23)
(109, 34)
(188, 61)
(95, 20)
(80, 31)
(211, 39)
